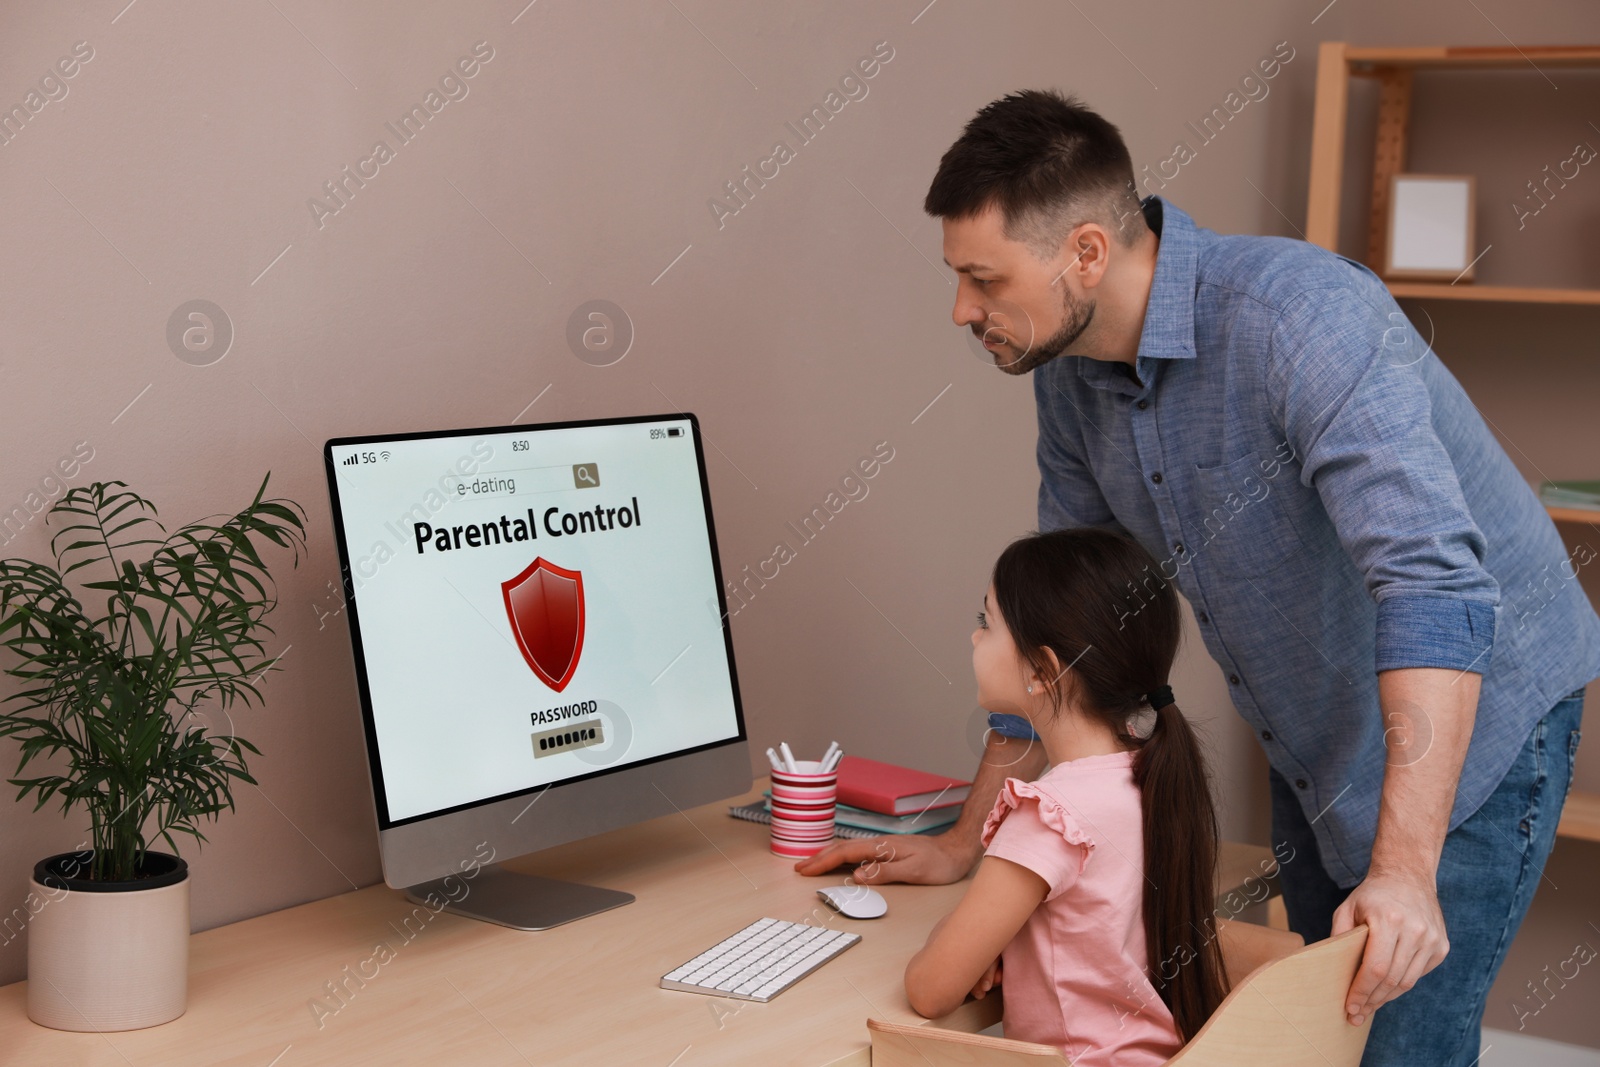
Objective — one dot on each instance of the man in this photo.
(1393, 610)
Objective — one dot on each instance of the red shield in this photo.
(545, 606)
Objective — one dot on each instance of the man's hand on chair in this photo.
(1405, 936)
(925, 860)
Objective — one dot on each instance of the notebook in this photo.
(757, 812)
(921, 822)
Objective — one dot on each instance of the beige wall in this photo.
(803, 330)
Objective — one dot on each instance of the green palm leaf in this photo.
(115, 690)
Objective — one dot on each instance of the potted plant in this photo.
(119, 684)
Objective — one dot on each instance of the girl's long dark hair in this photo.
(1095, 598)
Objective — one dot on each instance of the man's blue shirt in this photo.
(1331, 504)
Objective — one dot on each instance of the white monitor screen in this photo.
(530, 606)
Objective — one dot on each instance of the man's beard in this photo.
(1075, 319)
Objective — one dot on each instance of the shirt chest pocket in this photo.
(1239, 518)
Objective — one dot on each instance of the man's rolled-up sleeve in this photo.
(1014, 726)
(1358, 415)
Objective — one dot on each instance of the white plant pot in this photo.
(115, 957)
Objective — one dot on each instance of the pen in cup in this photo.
(786, 762)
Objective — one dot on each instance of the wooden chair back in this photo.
(1286, 1010)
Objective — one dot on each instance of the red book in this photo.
(890, 790)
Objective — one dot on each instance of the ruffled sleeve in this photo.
(1030, 827)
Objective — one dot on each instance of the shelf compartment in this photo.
(1580, 816)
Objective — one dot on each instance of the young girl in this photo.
(1094, 901)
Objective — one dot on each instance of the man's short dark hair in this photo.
(1049, 164)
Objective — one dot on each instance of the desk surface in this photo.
(448, 989)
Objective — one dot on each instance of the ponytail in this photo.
(1064, 596)
(1180, 863)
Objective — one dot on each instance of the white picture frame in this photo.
(1430, 228)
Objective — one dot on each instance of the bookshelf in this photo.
(1580, 818)
(1392, 68)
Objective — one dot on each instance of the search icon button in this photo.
(586, 475)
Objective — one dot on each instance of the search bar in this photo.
(525, 481)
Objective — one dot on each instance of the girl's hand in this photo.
(988, 981)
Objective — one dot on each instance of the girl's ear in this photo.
(1041, 685)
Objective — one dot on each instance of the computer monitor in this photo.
(541, 644)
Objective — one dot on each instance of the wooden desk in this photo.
(453, 990)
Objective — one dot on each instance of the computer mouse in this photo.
(855, 901)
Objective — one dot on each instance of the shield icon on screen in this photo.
(545, 606)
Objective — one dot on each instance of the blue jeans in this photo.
(1488, 871)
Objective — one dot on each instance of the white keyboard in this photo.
(760, 961)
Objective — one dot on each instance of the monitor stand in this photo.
(520, 901)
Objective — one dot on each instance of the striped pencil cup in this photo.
(802, 809)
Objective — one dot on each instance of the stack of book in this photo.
(882, 798)
(1570, 495)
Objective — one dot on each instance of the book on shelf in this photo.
(1570, 494)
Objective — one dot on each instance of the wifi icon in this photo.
(385, 456)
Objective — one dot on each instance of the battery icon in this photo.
(674, 431)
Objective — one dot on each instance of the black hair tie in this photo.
(1160, 697)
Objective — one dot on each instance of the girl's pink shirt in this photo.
(1075, 976)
